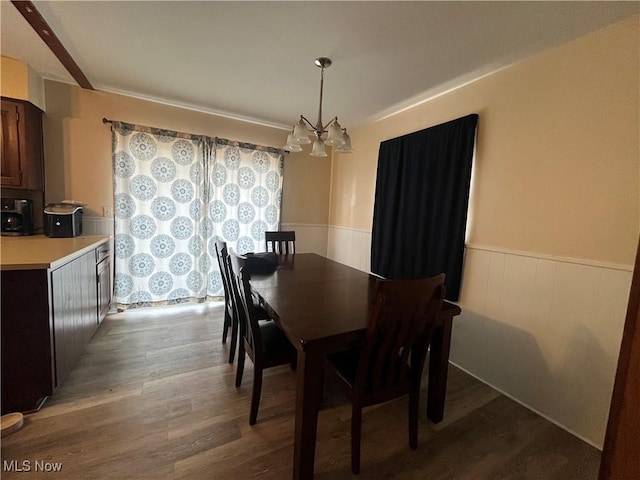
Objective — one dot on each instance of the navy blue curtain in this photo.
(421, 201)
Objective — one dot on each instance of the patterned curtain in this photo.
(173, 193)
(246, 194)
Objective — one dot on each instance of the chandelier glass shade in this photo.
(331, 134)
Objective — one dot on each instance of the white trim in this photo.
(368, 232)
(529, 407)
(194, 108)
(306, 225)
(555, 258)
(524, 253)
(434, 93)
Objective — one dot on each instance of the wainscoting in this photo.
(543, 330)
(97, 225)
(351, 247)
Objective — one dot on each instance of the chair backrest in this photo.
(223, 263)
(400, 326)
(247, 317)
(281, 242)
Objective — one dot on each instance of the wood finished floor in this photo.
(154, 398)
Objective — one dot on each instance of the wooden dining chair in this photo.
(230, 318)
(230, 315)
(264, 342)
(390, 362)
(281, 242)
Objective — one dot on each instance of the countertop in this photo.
(37, 252)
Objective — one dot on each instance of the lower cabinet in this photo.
(28, 373)
(74, 300)
(48, 318)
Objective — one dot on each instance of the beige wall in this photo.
(557, 168)
(78, 149)
(554, 221)
(18, 80)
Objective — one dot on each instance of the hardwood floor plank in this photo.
(153, 397)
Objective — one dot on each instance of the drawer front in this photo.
(102, 252)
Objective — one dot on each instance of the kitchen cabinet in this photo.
(28, 374)
(22, 151)
(74, 311)
(50, 311)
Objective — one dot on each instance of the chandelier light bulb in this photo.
(331, 134)
(346, 145)
(301, 133)
(334, 134)
(318, 149)
(291, 146)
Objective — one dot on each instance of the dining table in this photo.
(323, 306)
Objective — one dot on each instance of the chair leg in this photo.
(234, 338)
(240, 366)
(413, 419)
(356, 426)
(255, 395)
(227, 324)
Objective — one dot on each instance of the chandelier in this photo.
(331, 134)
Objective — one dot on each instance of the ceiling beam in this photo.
(42, 28)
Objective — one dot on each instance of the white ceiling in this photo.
(254, 60)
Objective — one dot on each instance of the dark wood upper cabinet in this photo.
(22, 151)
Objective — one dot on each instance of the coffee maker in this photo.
(17, 216)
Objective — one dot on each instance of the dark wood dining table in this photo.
(323, 306)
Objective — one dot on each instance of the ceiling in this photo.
(254, 60)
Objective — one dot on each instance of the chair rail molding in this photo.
(556, 258)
